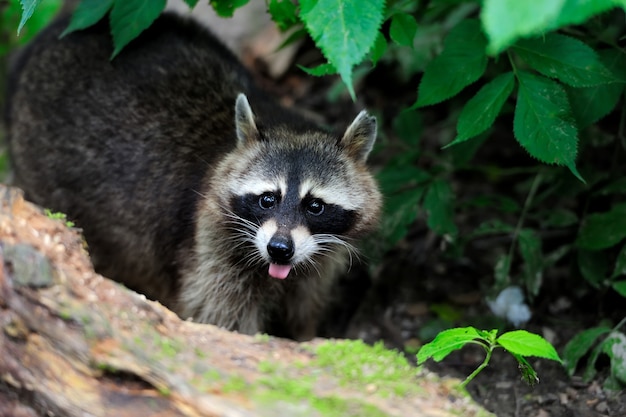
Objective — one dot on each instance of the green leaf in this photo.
(344, 30)
(379, 48)
(620, 288)
(590, 370)
(620, 264)
(523, 343)
(481, 111)
(283, 12)
(603, 230)
(403, 28)
(88, 13)
(528, 373)
(615, 347)
(28, 8)
(530, 249)
(592, 266)
(320, 70)
(12, 14)
(131, 17)
(580, 345)
(439, 204)
(566, 59)
(462, 62)
(507, 20)
(543, 123)
(191, 3)
(575, 12)
(226, 8)
(593, 103)
(401, 210)
(446, 342)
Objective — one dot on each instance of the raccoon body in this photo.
(191, 185)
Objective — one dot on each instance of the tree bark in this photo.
(73, 343)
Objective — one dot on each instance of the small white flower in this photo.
(509, 304)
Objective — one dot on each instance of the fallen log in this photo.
(73, 343)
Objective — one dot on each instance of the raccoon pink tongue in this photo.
(279, 271)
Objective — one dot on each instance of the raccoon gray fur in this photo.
(191, 185)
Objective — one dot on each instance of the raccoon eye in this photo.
(315, 207)
(267, 201)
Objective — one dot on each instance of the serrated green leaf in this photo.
(603, 230)
(283, 12)
(446, 342)
(615, 347)
(131, 17)
(439, 205)
(379, 48)
(28, 8)
(543, 123)
(566, 59)
(592, 266)
(580, 345)
(226, 8)
(88, 13)
(344, 30)
(12, 15)
(403, 28)
(462, 62)
(593, 103)
(481, 111)
(507, 20)
(575, 12)
(620, 264)
(523, 343)
(530, 249)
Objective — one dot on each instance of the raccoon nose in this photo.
(280, 248)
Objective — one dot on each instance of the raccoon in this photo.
(192, 186)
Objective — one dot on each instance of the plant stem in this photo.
(480, 367)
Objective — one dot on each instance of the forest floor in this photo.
(417, 289)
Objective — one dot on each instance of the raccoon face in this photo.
(296, 197)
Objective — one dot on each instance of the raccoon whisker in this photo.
(308, 265)
(326, 242)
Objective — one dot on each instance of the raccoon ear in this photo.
(244, 121)
(360, 136)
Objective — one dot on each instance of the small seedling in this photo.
(518, 343)
(58, 216)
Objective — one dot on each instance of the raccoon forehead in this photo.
(257, 186)
(336, 191)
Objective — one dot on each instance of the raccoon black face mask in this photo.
(191, 185)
